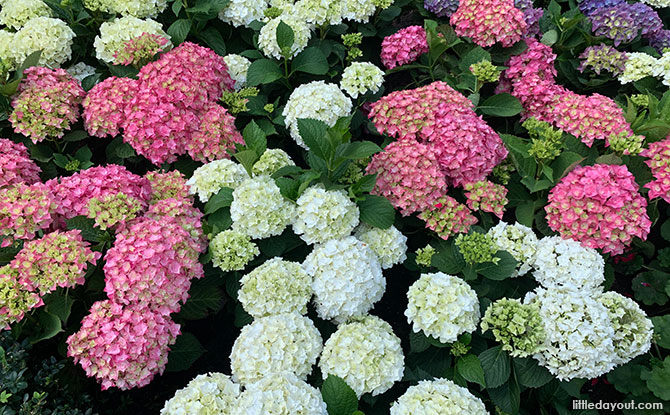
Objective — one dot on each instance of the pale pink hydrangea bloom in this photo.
(123, 347)
(408, 175)
(58, 259)
(486, 196)
(140, 49)
(16, 165)
(600, 207)
(168, 185)
(447, 217)
(186, 216)
(15, 299)
(46, 103)
(489, 21)
(24, 209)
(216, 136)
(105, 104)
(404, 46)
(659, 163)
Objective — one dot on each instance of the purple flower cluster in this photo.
(622, 22)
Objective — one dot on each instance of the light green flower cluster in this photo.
(113, 209)
(209, 179)
(16, 13)
(238, 66)
(351, 42)
(502, 173)
(641, 100)
(383, 4)
(236, 101)
(114, 34)
(275, 287)
(438, 397)
(15, 300)
(626, 144)
(366, 354)
(632, 329)
(442, 306)
(315, 12)
(232, 250)
(135, 8)
(390, 245)
(546, 141)
(485, 71)
(360, 78)
(662, 68)
(638, 65)
(273, 12)
(243, 12)
(52, 36)
(477, 248)
(358, 10)
(519, 240)
(424, 255)
(322, 215)
(459, 349)
(517, 326)
(353, 173)
(280, 394)
(270, 161)
(267, 39)
(210, 394)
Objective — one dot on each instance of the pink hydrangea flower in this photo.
(24, 209)
(447, 217)
(58, 259)
(404, 46)
(659, 163)
(187, 216)
(486, 196)
(15, 299)
(46, 104)
(105, 104)
(72, 194)
(123, 347)
(168, 185)
(140, 49)
(489, 21)
(216, 136)
(600, 207)
(16, 165)
(408, 175)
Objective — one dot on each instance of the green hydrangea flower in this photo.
(425, 255)
(477, 248)
(485, 71)
(112, 209)
(232, 250)
(517, 326)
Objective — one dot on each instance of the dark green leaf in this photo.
(377, 211)
(49, 326)
(285, 38)
(495, 363)
(59, 305)
(186, 350)
(448, 260)
(288, 187)
(83, 154)
(507, 397)
(550, 37)
(75, 135)
(658, 379)
(214, 40)
(263, 71)
(665, 230)
(418, 342)
(220, 220)
(649, 287)
(254, 138)
(567, 161)
(470, 368)
(242, 318)
(503, 269)
(662, 330)
(204, 299)
(122, 71)
(340, 399)
(530, 374)
(610, 158)
(41, 152)
(501, 105)
(357, 150)
(525, 212)
(310, 60)
(247, 158)
(220, 200)
(313, 133)
(626, 379)
(88, 228)
(179, 30)
(31, 60)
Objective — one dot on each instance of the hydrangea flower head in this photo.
(168, 185)
(487, 197)
(477, 248)
(403, 47)
(447, 217)
(115, 35)
(603, 58)
(280, 394)
(566, 265)
(237, 68)
(242, 12)
(16, 166)
(519, 241)
(209, 179)
(632, 329)
(213, 393)
(390, 245)
(134, 8)
(52, 36)
(24, 209)
(424, 256)
(267, 38)
(360, 78)
(80, 71)
(322, 215)
(113, 209)
(438, 396)
(105, 104)
(140, 49)
(270, 161)
(638, 65)
(232, 250)
(658, 155)
(489, 21)
(216, 137)
(15, 299)
(441, 8)
(517, 326)
(16, 13)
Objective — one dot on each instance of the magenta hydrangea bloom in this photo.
(404, 46)
(16, 165)
(105, 104)
(122, 347)
(15, 299)
(408, 175)
(168, 185)
(447, 217)
(187, 217)
(486, 196)
(72, 194)
(658, 154)
(46, 103)
(58, 259)
(600, 207)
(140, 49)
(24, 209)
(489, 21)
(216, 136)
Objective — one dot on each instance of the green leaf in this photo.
(254, 138)
(280, 244)
(214, 40)
(340, 399)
(470, 368)
(516, 144)
(41, 152)
(418, 342)
(75, 136)
(263, 71)
(507, 397)
(179, 30)
(665, 230)
(83, 154)
(649, 287)
(220, 220)
(550, 37)
(49, 326)
(448, 260)
(186, 350)
(525, 212)
(475, 55)
(242, 318)
(495, 363)
(204, 299)
(313, 133)
(357, 150)
(247, 158)
(220, 200)
(311, 61)
(530, 374)
(503, 269)
(285, 38)
(288, 187)
(662, 330)
(60, 160)
(88, 228)
(501, 105)
(610, 158)
(626, 379)
(658, 379)
(567, 161)
(117, 148)
(377, 211)
(31, 60)
(59, 305)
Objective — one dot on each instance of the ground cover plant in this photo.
(334, 207)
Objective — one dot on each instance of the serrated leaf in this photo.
(376, 211)
(495, 363)
(49, 326)
(418, 342)
(242, 318)
(263, 71)
(313, 133)
(220, 200)
(470, 368)
(525, 212)
(662, 330)
(220, 220)
(501, 105)
(665, 230)
(213, 39)
(179, 30)
(254, 138)
(59, 305)
(448, 260)
(567, 161)
(87, 227)
(340, 399)
(186, 350)
(204, 299)
(285, 38)
(311, 61)
(75, 136)
(357, 150)
(507, 396)
(288, 187)
(530, 374)
(649, 287)
(626, 379)
(247, 158)
(658, 379)
(503, 269)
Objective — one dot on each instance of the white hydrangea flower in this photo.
(637, 66)
(316, 100)
(238, 66)
(442, 306)
(438, 397)
(360, 78)
(7, 50)
(275, 287)
(578, 334)
(347, 276)
(135, 8)
(358, 10)
(209, 179)
(232, 250)
(115, 33)
(566, 264)
(280, 394)
(210, 394)
(390, 245)
(317, 12)
(632, 329)
(243, 12)
(322, 215)
(15, 13)
(52, 36)
(270, 161)
(519, 240)
(662, 69)
(284, 343)
(259, 209)
(366, 354)
(267, 39)
(657, 3)
(80, 71)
